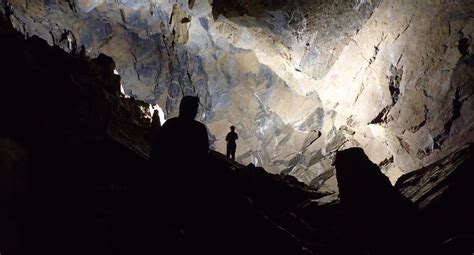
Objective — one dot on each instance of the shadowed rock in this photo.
(74, 171)
(444, 193)
(378, 217)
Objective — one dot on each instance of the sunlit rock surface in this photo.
(298, 80)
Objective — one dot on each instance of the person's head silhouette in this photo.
(232, 128)
(188, 108)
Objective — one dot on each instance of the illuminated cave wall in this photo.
(299, 79)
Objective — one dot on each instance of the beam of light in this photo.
(122, 91)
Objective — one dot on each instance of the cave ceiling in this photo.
(299, 79)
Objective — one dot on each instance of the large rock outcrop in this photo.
(444, 194)
(65, 129)
(377, 215)
(299, 79)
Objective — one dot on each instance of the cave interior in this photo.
(355, 122)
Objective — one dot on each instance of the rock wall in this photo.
(66, 136)
(408, 70)
(299, 79)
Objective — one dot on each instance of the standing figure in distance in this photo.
(231, 145)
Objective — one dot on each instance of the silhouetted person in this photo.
(155, 126)
(182, 140)
(231, 145)
(178, 156)
(155, 120)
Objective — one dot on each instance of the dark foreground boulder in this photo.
(377, 217)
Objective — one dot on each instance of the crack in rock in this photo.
(385, 163)
(456, 113)
(406, 27)
(394, 83)
(394, 88)
(415, 129)
(404, 144)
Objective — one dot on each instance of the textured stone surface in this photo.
(428, 185)
(298, 80)
(444, 194)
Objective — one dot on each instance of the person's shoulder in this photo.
(171, 121)
(200, 125)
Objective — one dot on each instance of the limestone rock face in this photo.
(298, 80)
